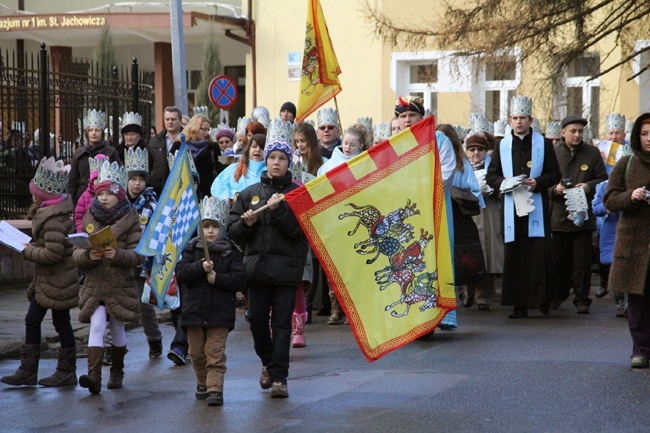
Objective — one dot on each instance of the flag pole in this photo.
(338, 113)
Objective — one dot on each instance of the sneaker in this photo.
(215, 398)
(265, 379)
(155, 349)
(583, 309)
(177, 356)
(601, 292)
(279, 390)
(637, 362)
(201, 392)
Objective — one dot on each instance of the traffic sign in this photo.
(223, 92)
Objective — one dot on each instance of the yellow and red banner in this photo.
(320, 68)
(378, 225)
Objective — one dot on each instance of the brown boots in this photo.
(93, 380)
(117, 367)
(27, 372)
(336, 317)
(66, 368)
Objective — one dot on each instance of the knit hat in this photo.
(131, 122)
(114, 188)
(227, 132)
(409, 103)
(281, 146)
(290, 107)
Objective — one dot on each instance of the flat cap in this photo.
(573, 119)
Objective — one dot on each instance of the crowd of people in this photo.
(543, 205)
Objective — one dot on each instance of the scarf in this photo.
(536, 217)
(196, 147)
(220, 246)
(111, 215)
(57, 200)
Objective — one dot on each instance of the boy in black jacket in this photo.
(208, 287)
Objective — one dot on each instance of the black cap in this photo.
(573, 119)
(290, 107)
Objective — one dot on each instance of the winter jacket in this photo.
(206, 304)
(158, 165)
(631, 256)
(275, 248)
(607, 227)
(80, 168)
(82, 206)
(582, 164)
(111, 282)
(207, 165)
(55, 284)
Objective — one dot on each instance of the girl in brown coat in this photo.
(109, 290)
(628, 193)
(55, 284)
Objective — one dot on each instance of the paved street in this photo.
(564, 373)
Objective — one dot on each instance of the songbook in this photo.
(12, 237)
(98, 241)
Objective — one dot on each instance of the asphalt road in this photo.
(564, 373)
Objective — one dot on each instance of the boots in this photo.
(335, 317)
(66, 367)
(93, 380)
(117, 368)
(298, 327)
(27, 372)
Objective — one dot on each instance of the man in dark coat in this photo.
(582, 167)
(159, 147)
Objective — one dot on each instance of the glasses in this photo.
(326, 127)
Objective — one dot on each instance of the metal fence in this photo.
(42, 103)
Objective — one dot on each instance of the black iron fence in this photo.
(42, 104)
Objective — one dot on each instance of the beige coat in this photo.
(55, 284)
(111, 282)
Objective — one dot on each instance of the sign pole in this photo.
(178, 55)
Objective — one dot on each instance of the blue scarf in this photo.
(536, 217)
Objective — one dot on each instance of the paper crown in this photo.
(553, 130)
(242, 123)
(365, 121)
(462, 132)
(536, 126)
(381, 131)
(478, 123)
(201, 109)
(114, 172)
(500, 127)
(328, 116)
(95, 162)
(130, 118)
(521, 105)
(615, 121)
(264, 120)
(629, 125)
(214, 209)
(171, 158)
(95, 118)
(136, 159)
(52, 176)
(279, 131)
(311, 122)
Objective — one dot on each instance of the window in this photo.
(427, 73)
(583, 94)
(501, 68)
(496, 87)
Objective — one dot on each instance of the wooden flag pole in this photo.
(256, 211)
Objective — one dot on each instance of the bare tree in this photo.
(554, 32)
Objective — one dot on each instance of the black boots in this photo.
(66, 368)
(117, 368)
(27, 372)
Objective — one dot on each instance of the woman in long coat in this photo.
(627, 193)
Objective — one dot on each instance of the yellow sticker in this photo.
(90, 228)
(144, 220)
(255, 200)
(584, 167)
(529, 164)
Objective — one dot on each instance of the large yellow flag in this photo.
(378, 225)
(320, 69)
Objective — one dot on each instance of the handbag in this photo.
(467, 202)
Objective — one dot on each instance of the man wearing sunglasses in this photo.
(329, 133)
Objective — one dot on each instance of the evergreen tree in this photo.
(211, 67)
(105, 53)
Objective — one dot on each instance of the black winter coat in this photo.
(206, 304)
(275, 248)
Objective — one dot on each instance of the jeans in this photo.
(279, 303)
(180, 338)
(148, 317)
(60, 320)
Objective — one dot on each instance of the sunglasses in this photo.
(326, 127)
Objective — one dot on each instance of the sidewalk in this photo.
(13, 308)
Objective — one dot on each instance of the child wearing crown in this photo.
(86, 199)
(55, 284)
(108, 291)
(143, 199)
(276, 251)
(208, 287)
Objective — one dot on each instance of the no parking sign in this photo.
(223, 92)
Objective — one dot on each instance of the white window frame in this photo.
(483, 86)
(643, 80)
(586, 85)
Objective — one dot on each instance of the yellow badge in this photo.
(584, 167)
(255, 200)
(529, 164)
(90, 228)
(144, 220)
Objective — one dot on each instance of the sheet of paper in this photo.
(523, 199)
(12, 237)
